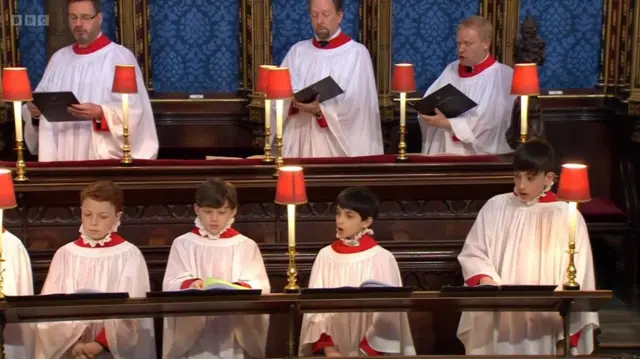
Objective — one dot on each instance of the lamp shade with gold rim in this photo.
(404, 78)
(279, 84)
(125, 79)
(574, 183)
(7, 193)
(290, 188)
(263, 78)
(16, 85)
(525, 80)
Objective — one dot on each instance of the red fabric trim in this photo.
(293, 110)
(115, 240)
(475, 280)
(243, 284)
(549, 197)
(368, 350)
(102, 339)
(575, 339)
(324, 342)
(366, 242)
(229, 233)
(4, 229)
(462, 71)
(322, 122)
(336, 42)
(96, 45)
(187, 283)
(455, 138)
(103, 126)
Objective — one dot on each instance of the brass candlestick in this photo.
(523, 137)
(268, 158)
(402, 147)
(126, 148)
(279, 159)
(21, 166)
(571, 283)
(292, 272)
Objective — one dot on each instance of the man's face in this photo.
(325, 19)
(472, 49)
(84, 22)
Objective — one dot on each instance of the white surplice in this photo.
(353, 117)
(90, 77)
(517, 243)
(482, 129)
(386, 332)
(119, 268)
(233, 258)
(18, 280)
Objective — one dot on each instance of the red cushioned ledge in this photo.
(601, 208)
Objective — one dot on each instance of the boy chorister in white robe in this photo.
(347, 125)
(487, 82)
(214, 250)
(522, 238)
(353, 259)
(18, 280)
(100, 260)
(86, 68)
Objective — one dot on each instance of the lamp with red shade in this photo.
(404, 81)
(573, 188)
(290, 191)
(125, 82)
(7, 201)
(16, 88)
(261, 88)
(279, 89)
(525, 83)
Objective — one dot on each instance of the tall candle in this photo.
(125, 110)
(267, 114)
(524, 104)
(17, 114)
(403, 108)
(279, 114)
(291, 219)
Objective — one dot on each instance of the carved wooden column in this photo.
(376, 18)
(634, 98)
(505, 18)
(256, 51)
(58, 34)
(9, 55)
(616, 53)
(133, 32)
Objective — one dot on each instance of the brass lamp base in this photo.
(292, 273)
(571, 286)
(126, 149)
(279, 159)
(571, 283)
(21, 166)
(268, 158)
(402, 146)
(523, 138)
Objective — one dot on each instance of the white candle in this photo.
(17, 114)
(279, 110)
(573, 218)
(524, 104)
(267, 114)
(125, 110)
(1, 226)
(403, 108)
(291, 219)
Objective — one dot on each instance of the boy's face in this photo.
(349, 223)
(530, 185)
(215, 220)
(98, 218)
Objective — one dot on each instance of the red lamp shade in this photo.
(290, 188)
(263, 78)
(7, 194)
(404, 78)
(574, 183)
(125, 79)
(16, 85)
(279, 84)
(525, 80)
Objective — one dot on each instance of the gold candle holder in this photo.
(21, 166)
(126, 148)
(268, 158)
(292, 272)
(571, 283)
(402, 146)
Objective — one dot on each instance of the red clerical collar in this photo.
(4, 229)
(463, 71)
(549, 197)
(366, 242)
(96, 45)
(229, 233)
(336, 42)
(115, 240)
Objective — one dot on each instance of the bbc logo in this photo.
(30, 20)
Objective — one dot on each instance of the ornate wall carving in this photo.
(504, 15)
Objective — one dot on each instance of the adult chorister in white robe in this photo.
(518, 243)
(88, 72)
(228, 256)
(350, 123)
(18, 281)
(482, 129)
(350, 263)
(109, 265)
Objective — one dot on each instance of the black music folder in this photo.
(325, 89)
(448, 99)
(54, 105)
